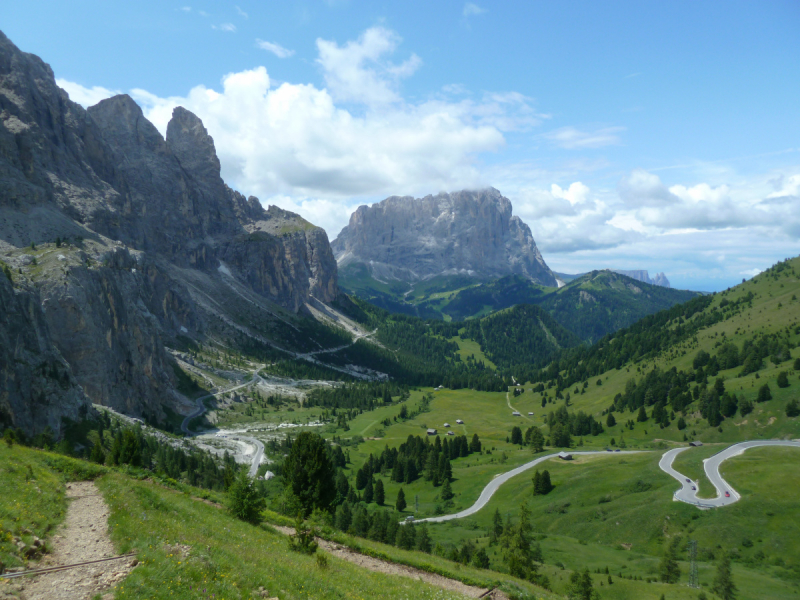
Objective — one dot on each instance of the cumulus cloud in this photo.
(84, 96)
(572, 138)
(359, 71)
(275, 48)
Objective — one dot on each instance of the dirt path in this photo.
(382, 566)
(82, 537)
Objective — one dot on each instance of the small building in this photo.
(459, 422)
(447, 424)
(516, 414)
(530, 414)
(268, 475)
(450, 433)
(431, 432)
(696, 444)
(564, 456)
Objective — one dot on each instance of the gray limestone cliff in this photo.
(468, 232)
(644, 276)
(156, 246)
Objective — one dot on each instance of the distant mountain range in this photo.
(638, 275)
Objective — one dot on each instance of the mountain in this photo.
(470, 233)
(118, 243)
(644, 277)
(602, 302)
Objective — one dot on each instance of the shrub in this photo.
(303, 538)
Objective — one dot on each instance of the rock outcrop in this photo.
(151, 227)
(467, 232)
(644, 276)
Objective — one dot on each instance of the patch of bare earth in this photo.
(82, 538)
(390, 568)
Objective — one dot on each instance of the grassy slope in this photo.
(188, 548)
(487, 414)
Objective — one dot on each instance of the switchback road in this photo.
(711, 468)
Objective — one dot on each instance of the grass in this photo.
(33, 501)
(189, 549)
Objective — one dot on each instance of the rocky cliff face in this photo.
(644, 276)
(469, 232)
(151, 228)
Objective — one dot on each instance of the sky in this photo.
(631, 135)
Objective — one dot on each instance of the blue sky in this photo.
(654, 135)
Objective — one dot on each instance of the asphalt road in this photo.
(495, 484)
(711, 468)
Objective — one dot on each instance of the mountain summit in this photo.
(471, 232)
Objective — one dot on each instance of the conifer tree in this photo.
(764, 393)
(642, 415)
(447, 491)
(668, 570)
(610, 420)
(423, 539)
(496, 529)
(723, 580)
(783, 380)
(368, 491)
(400, 504)
(380, 494)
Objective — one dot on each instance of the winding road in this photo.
(499, 480)
(711, 468)
(685, 494)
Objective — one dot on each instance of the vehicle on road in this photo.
(694, 488)
(411, 518)
(727, 494)
(688, 480)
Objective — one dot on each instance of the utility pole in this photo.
(694, 581)
(416, 503)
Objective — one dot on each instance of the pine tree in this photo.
(537, 483)
(423, 539)
(537, 440)
(368, 491)
(764, 393)
(610, 420)
(516, 436)
(497, 527)
(480, 559)
(642, 416)
(547, 487)
(581, 586)
(447, 491)
(98, 456)
(244, 500)
(400, 504)
(783, 380)
(361, 479)
(723, 581)
(380, 494)
(475, 444)
(669, 571)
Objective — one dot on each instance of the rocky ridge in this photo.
(471, 232)
(116, 241)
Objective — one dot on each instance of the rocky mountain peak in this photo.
(191, 144)
(471, 231)
(124, 125)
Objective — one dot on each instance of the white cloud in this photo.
(227, 27)
(186, 8)
(751, 272)
(84, 96)
(471, 9)
(572, 138)
(275, 48)
(241, 13)
(359, 72)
